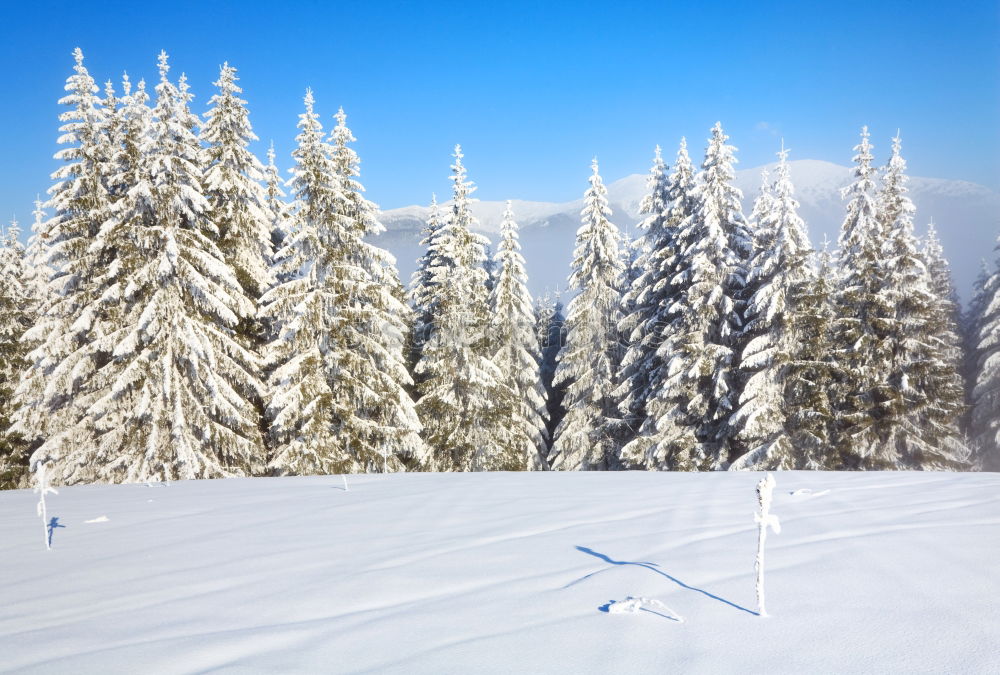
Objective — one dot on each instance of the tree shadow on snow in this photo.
(653, 568)
(53, 524)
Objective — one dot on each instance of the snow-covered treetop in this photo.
(656, 201)
(227, 128)
(861, 220)
(719, 201)
(598, 243)
(462, 189)
(792, 233)
(347, 165)
(272, 176)
(893, 200)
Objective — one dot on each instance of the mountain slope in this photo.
(967, 216)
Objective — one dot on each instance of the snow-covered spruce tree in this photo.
(587, 438)
(15, 318)
(780, 273)
(920, 398)
(238, 203)
(421, 293)
(64, 357)
(970, 326)
(550, 329)
(337, 401)
(277, 208)
(688, 409)
(300, 408)
(645, 300)
(516, 349)
(860, 346)
(380, 420)
(462, 395)
(942, 282)
(943, 328)
(172, 404)
(985, 426)
(811, 376)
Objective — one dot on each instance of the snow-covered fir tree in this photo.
(421, 293)
(587, 437)
(779, 273)
(238, 202)
(337, 399)
(920, 396)
(550, 329)
(688, 409)
(64, 356)
(462, 395)
(970, 325)
(941, 279)
(277, 208)
(516, 349)
(943, 328)
(646, 300)
(811, 377)
(173, 402)
(15, 319)
(863, 313)
(985, 421)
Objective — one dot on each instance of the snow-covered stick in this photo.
(764, 519)
(42, 488)
(344, 476)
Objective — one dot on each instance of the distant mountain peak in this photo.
(967, 216)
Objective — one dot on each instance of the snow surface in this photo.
(966, 215)
(502, 573)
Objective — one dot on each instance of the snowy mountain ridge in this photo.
(966, 214)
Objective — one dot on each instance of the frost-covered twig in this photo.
(42, 488)
(764, 519)
(632, 605)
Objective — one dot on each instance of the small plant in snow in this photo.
(42, 488)
(764, 520)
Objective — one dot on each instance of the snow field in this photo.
(501, 573)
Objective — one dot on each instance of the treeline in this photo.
(174, 316)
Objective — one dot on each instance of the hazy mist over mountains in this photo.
(967, 216)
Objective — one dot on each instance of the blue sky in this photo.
(534, 90)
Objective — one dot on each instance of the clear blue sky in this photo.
(534, 90)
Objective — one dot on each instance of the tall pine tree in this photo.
(779, 272)
(516, 349)
(15, 318)
(920, 397)
(337, 401)
(985, 422)
(172, 403)
(688, 409)
(863, 316)
(586, 438)
(64, 356)
(462, 395)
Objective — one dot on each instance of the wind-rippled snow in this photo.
(502, 573)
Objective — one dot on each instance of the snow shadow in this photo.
(53, 524)
(653, 567)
